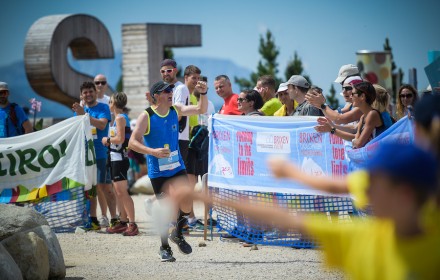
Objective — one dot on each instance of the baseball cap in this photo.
(346, 71)
(298, 80)
(353, 80)
(406, 162)
(4, 86)
(168, 62)
(282, 87)
(159, 87)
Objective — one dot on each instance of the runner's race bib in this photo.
(170, 162)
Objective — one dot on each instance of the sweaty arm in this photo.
(348, 117)
(276, 217)
(202, 105)
(282, 168)
(98, 123)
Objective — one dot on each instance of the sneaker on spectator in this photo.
(192, 222)
(103, 221)
(200, 228)
(119, 227)
(148, 203)
(131, 230)
(114, 222)
(91, 226)
(166, 255)
(183, 246)
(95, 225)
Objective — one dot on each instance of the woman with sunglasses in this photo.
(249, 101)
(363, 96)
(348, 114)
(407, 96)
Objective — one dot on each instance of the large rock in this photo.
(30, 254)
(57, 268)
(15, 219)
(9, 270)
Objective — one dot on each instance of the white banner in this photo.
(63, 150)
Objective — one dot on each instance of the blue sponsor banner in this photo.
(240, 147)
(401, 132)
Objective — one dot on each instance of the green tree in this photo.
(120, 84)
(294, 67)
(331, 98)
(267, 64)
(397, 76)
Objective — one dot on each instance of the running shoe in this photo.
(119, 227)
(91, 226)
(183, 246)
(166, 255)
(131, 230)
(103, 221)
(114, 222)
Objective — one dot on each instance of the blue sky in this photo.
(326, 34)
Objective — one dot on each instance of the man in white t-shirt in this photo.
(168, 71)
(101, 88)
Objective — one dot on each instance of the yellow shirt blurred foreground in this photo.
(369, 249)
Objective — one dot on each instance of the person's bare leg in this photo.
(192, 179)
(102, 202)
(93, 206)
(125, 200)
(110, 198)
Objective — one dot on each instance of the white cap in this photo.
(346, 71)
(282, 87)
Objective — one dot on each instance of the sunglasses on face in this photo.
(409, 95)
(358, 93)
(100, 83)
(347, 88)
(283, 93)
(168, 90)
(166, 70)
(241, 99)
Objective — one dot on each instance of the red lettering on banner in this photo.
(338, 168)
(222, 135)
(245, 167)
(338, 153)
(245, 136)
(307, 137)
(244, 150)
(336, 140)
(280, 140)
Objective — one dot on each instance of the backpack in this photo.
(200, 141)
(14, 120)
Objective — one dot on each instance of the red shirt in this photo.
(230, 107)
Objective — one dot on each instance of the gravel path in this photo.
(96, 255)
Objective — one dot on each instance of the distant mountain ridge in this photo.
(20, 91)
